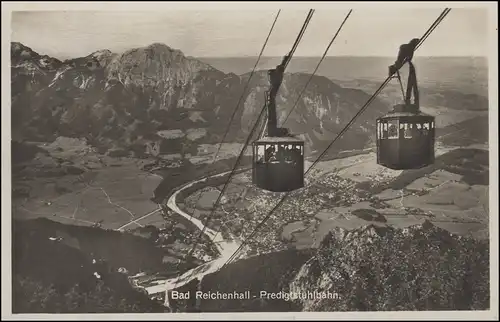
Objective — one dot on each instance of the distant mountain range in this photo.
(468, 75)
(156, 100)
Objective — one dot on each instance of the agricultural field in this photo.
(70, 183)
(102, 202)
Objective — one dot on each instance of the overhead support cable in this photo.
(362, 109)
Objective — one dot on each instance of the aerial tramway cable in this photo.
(243, 93)
(433, 26)
(294, 47)
(292, 52)
(254, 128)
(299, 36)
(427, 33)
(236, 108)
(246, 86)
(317, 66)
(247, 141)
(256, 124)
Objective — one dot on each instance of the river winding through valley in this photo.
(225, 247)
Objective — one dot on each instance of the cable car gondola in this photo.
(405, 136)
(278, 163)
(278, 158)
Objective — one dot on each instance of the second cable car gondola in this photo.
(278, 158)
(405, 136)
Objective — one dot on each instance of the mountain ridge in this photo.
(123, 100)
(149, 100)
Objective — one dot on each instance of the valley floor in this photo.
(70, 183)
(351, 192)
(333, 197)
(346, 193)
(113, 193)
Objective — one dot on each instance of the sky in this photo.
(233, 33)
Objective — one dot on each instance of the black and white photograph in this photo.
(249, 157)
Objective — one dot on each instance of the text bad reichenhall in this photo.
(286, 296)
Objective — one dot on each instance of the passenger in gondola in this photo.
(296, 156)
(274, 157)
(408, 131)
(425, 129)
(288, 154)
(393, 131)
(417, 130)
(270, 151)
(280, 155)
(260, 159)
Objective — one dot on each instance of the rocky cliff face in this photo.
(372, 268)
(379, 268)
(156, 96)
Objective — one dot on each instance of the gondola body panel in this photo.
(278, 164)
(405, 140)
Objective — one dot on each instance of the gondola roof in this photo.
(280, 139)
(402, 110)
(405, 114)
